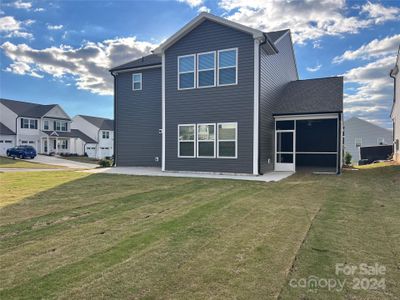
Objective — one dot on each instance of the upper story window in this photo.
(105, 134)
(46, 125)
(186, 71)
(206, 69)
(137, 82)
(60, 126)
(29, 123)
(227, 66)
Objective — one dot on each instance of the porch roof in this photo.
(74, 133)
(311, 96)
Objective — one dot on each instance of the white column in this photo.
(48, 146)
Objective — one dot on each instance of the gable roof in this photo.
(4, 130)
(320, 95)
(27, 109)
(154, 60)
(101, 123)
(361, 122)
(257, 34)
(74, 133)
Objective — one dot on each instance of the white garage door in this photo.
(4, 145)
(91, 151)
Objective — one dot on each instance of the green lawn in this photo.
(6, 162)
(71, 235)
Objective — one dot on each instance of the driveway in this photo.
(52, 160)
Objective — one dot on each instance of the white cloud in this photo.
(308, 19)
(88, 65)
(192, 3)
(22, 5)
(380, 13)
(373, 94)
(14, 28)
(39, 9)
(203, 9)
(374, 49)
(314, 69)
(54, 27)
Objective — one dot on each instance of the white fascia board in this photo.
(257, 34)
(307, 117)
(137, 69)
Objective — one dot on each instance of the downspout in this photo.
(115, 120)
(394, 101)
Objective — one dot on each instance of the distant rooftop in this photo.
(101, 123)
(27, 109)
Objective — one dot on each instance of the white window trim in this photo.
(212, 69)
(355, 142)
(237, 67)
(194, 141)
(103, 132)
(200, 141)
(194, 72)
(44, 125)
(140, 81)
(380, 140)
(235, 140)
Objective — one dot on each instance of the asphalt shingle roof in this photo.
(320, 95)
(4, 130)
(101, 123)
(74, 133)
(27, 109)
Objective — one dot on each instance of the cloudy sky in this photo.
(60, 51)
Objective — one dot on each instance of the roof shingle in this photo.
(101, 123)
(4, 130)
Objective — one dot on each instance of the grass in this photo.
(83, 159)
(6, 162)
(71, 235)
(377, 165)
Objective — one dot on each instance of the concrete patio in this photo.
(147, 171)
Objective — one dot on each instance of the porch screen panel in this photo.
(316, 135)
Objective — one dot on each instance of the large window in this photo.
(186, 72)
(205, 140)
(60, 126)
(137, 82)
(206, 69)
(46, 125)
(29, 123)
(227, 140)
(227, 67)
(186, 140)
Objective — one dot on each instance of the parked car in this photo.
(22, 152)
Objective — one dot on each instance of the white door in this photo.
(285, 159)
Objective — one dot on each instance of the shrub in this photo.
(347, 158)
(105, 163)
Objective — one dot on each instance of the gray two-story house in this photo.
(221, 97)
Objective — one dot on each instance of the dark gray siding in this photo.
(216, 104)
(138, 119)
(275, 72)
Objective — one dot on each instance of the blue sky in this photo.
(60, 51)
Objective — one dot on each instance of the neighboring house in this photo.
(100, 130)
(45, 127)
(395, 115)
(359, 133)
(221, 97)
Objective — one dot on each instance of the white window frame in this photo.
(236, 65)
(355, 142)
(380, 141)
(140, 81)
(46, 124)
(59, 126)
(194, 140)
(200, 141)
(194, 72)
(213, 69)
(235, 140)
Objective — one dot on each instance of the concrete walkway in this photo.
(142, 171)
(52, 160)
